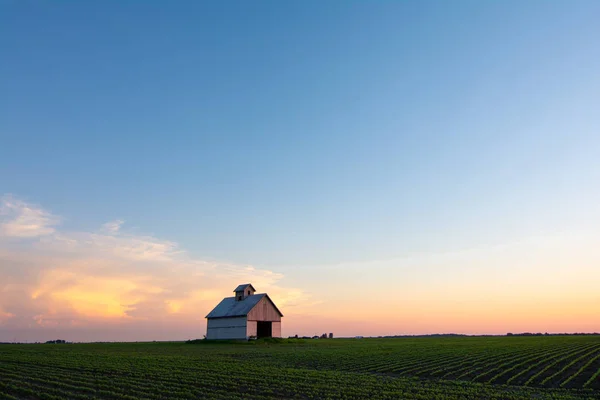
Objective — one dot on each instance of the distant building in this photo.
(244, 316)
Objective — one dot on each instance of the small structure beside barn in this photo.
(243, 316)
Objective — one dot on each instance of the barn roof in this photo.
(243, 287)
(229, 307)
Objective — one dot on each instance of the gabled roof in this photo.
(229, 307)
(243, 287)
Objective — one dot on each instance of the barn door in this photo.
(264, 329)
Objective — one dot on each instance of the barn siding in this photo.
(227, 322)
(251, 328)
(226, 328)
(264, 311)
(276, 329)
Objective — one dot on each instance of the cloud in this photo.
(19, 219)
(5, 316)
(78, 281)
(113, 226)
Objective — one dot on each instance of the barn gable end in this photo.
(264, 310)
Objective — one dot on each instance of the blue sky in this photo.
(289, 135)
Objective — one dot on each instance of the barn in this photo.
(243, 316)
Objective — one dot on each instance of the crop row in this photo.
(535, 366)
(554, 367)
(229, 381)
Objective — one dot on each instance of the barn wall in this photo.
(264, 311)
(251, 328)
(226, 328)
(276, 329)
(227, 322)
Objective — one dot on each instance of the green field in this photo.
(558, 367)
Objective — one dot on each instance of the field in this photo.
(559, 367)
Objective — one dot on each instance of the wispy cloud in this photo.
(113, 226)
(110, 277)
(19, 219)
(5, 316)
(111, 283)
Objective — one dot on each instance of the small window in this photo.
(239, 297)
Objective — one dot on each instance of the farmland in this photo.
(553, 367)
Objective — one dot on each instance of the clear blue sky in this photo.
(302, 133)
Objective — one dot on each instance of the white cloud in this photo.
(113, 226)
(19, 219)
(109, 277)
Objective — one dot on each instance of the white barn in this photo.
(244, 315)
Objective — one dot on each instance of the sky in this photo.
(378, 168)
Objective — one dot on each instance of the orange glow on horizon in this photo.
(109, 299)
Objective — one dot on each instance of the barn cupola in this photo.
(243, 291)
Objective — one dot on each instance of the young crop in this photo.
(566, 367)
(336, 369)
(594, 378)
(548, 368)
(583, 368)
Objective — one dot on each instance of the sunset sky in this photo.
(377, 167)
